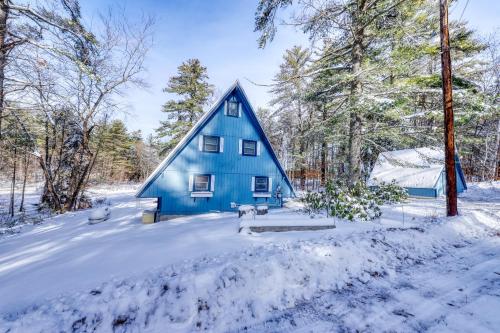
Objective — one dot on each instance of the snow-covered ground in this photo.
(413, 270)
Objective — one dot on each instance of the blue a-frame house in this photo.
(224, 158)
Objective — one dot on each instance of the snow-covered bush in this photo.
(346, 202)
(364, 203)
(388, 193)
(313, 202)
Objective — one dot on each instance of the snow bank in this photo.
(242, 288)
(484, 191)
(246, 208)
(287, 219)
(197, 272)
(99, 214)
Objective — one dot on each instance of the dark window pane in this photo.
(211, 143)
(201, 183)
(261, 184)
(249, 148)
(232, 108)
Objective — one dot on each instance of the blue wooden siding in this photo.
(461, 184)
(441, 185)
(233, 171)
(440, 188)
(421, 191)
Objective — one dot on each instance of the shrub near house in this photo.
(352, 203)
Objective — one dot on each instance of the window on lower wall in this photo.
(261, 184)
(201, 183)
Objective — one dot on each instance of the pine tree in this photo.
(415, 117)
(191, 84)
(292, 109)
(115, 150)
(375, 85)
(356, 32)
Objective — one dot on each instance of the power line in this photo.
(463, 11)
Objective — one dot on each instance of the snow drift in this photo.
(237, 290)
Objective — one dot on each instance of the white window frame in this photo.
(207, 182)
(219, 144)
(243, 147)
(208, 193)
(232, 101)
(262, 194)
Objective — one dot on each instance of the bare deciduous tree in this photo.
(71, 86)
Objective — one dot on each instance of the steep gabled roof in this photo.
(200, 124)
(415, 167)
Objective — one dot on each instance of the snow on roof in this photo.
(416, 167)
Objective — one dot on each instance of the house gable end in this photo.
(185, 156)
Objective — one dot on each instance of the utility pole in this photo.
(449, 137)
(4, 14)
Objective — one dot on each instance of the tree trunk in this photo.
(355, 142)
(25, 175)
(496, 160)
(449, 133)
(302, 165)
(324, 151)
(4, 13)
(13, 188)
(323, 162)
(356, 121)
(49, 186)
(84, 176)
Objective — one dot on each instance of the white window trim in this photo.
(226, 108)
(200, 142)
(240, 147)
(202, 194)
(261, 194)
(258, 148)
(191, 183)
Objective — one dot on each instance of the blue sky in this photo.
(220, 34)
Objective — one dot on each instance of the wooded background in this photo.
(369, 82)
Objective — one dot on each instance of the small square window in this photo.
(249, 148)
(211, 144)
(201, 183)
(232, 107)
(261, 184)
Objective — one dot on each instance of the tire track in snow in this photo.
(438, 295)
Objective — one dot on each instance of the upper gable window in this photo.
(211, 144)
(233, 107)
